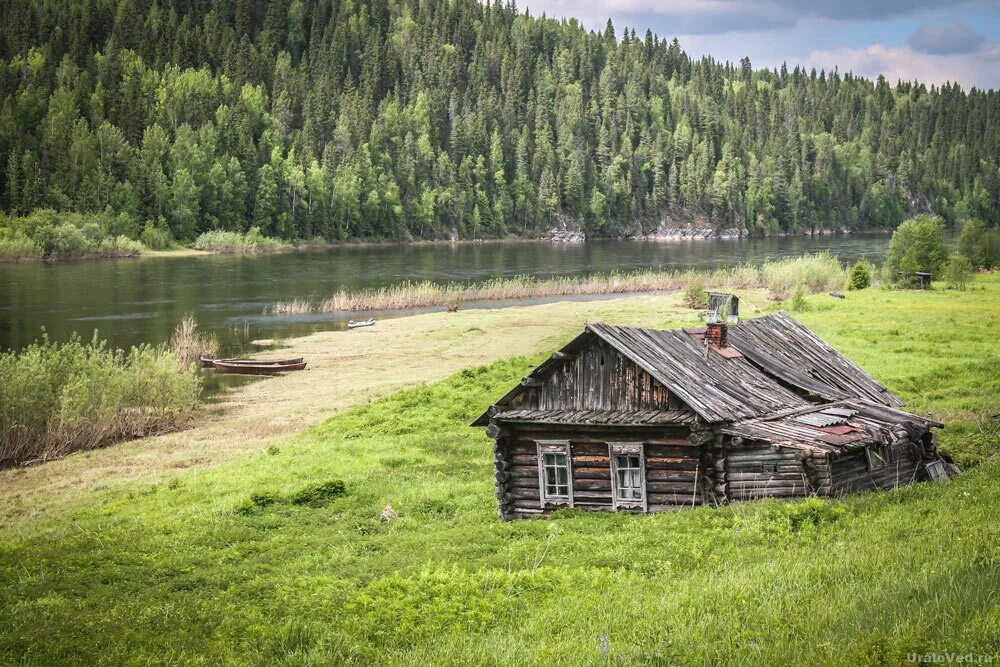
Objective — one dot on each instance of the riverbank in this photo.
(815, 273)
(193, 547)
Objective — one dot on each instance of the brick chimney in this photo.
(717, 333)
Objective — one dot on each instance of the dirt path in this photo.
(345, 368)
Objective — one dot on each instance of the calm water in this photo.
(135, 301)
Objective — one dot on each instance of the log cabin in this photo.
(645, 420)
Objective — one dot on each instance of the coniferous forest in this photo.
(397, 119)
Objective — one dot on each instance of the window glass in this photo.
(556, 471)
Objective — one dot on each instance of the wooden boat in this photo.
(209, 363)
(251, 367)
(365, 323)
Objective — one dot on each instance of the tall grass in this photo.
(60, 398)
(817, 273)
(189, 345)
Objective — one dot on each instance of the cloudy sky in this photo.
(930, 40)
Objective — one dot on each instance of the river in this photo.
(134, 301)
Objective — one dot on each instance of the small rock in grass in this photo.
(388, 514)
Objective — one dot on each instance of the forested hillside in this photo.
(398, 119)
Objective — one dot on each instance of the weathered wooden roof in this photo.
(716, 387)
(777, 357)
(633, 417)
(785, 349)
(808, 428)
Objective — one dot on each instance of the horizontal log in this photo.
(591, 460)
(688, 476)
(770, 493)
(591, 473)
(526, 493)
(523, 483)
(654, 499)
(592, 485)
(593, 496)
(523, 471)
(670, 487)
(688, 468)
(755, 477)
(525, 503)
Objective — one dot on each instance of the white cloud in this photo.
(904, 63)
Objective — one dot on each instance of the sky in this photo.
(933, 41)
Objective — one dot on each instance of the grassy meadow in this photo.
(267, 560)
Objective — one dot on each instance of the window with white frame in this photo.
(628, 475)
(555, 472)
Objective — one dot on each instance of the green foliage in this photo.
(957, 271)
(860, 276)
(979, 244)
(48, 234)
(155, 237)
(798, 303)
(317, 495)
(695, 296)
(234, 242)
(917, 245)
(220, 116)
(59, 398)
(814, 273)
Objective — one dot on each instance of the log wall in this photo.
(850, 473)
(673, 467)
(740, 472)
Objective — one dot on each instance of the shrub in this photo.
(15, 246)
(155, 237)
(234, 242)
(972, 243)
(798, 303)
(317, 495)
(916, 245)
(957, 271)
(695, 296)
(59, 398)
(860, 276)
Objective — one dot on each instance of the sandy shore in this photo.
(346, 368)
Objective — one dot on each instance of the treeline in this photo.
(450, 118)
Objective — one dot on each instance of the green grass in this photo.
(223, 566)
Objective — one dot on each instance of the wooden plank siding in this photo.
(746, 479)
(597, 378)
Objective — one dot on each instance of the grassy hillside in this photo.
(252, 562)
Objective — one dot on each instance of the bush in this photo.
(54, 235)
(798, 303)
(15, 246)
(916, 245)
(155, 237)
(980, 245)
(695, 296)
(860, 276)
(60, 398)
(957, 271)
(234, 242)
